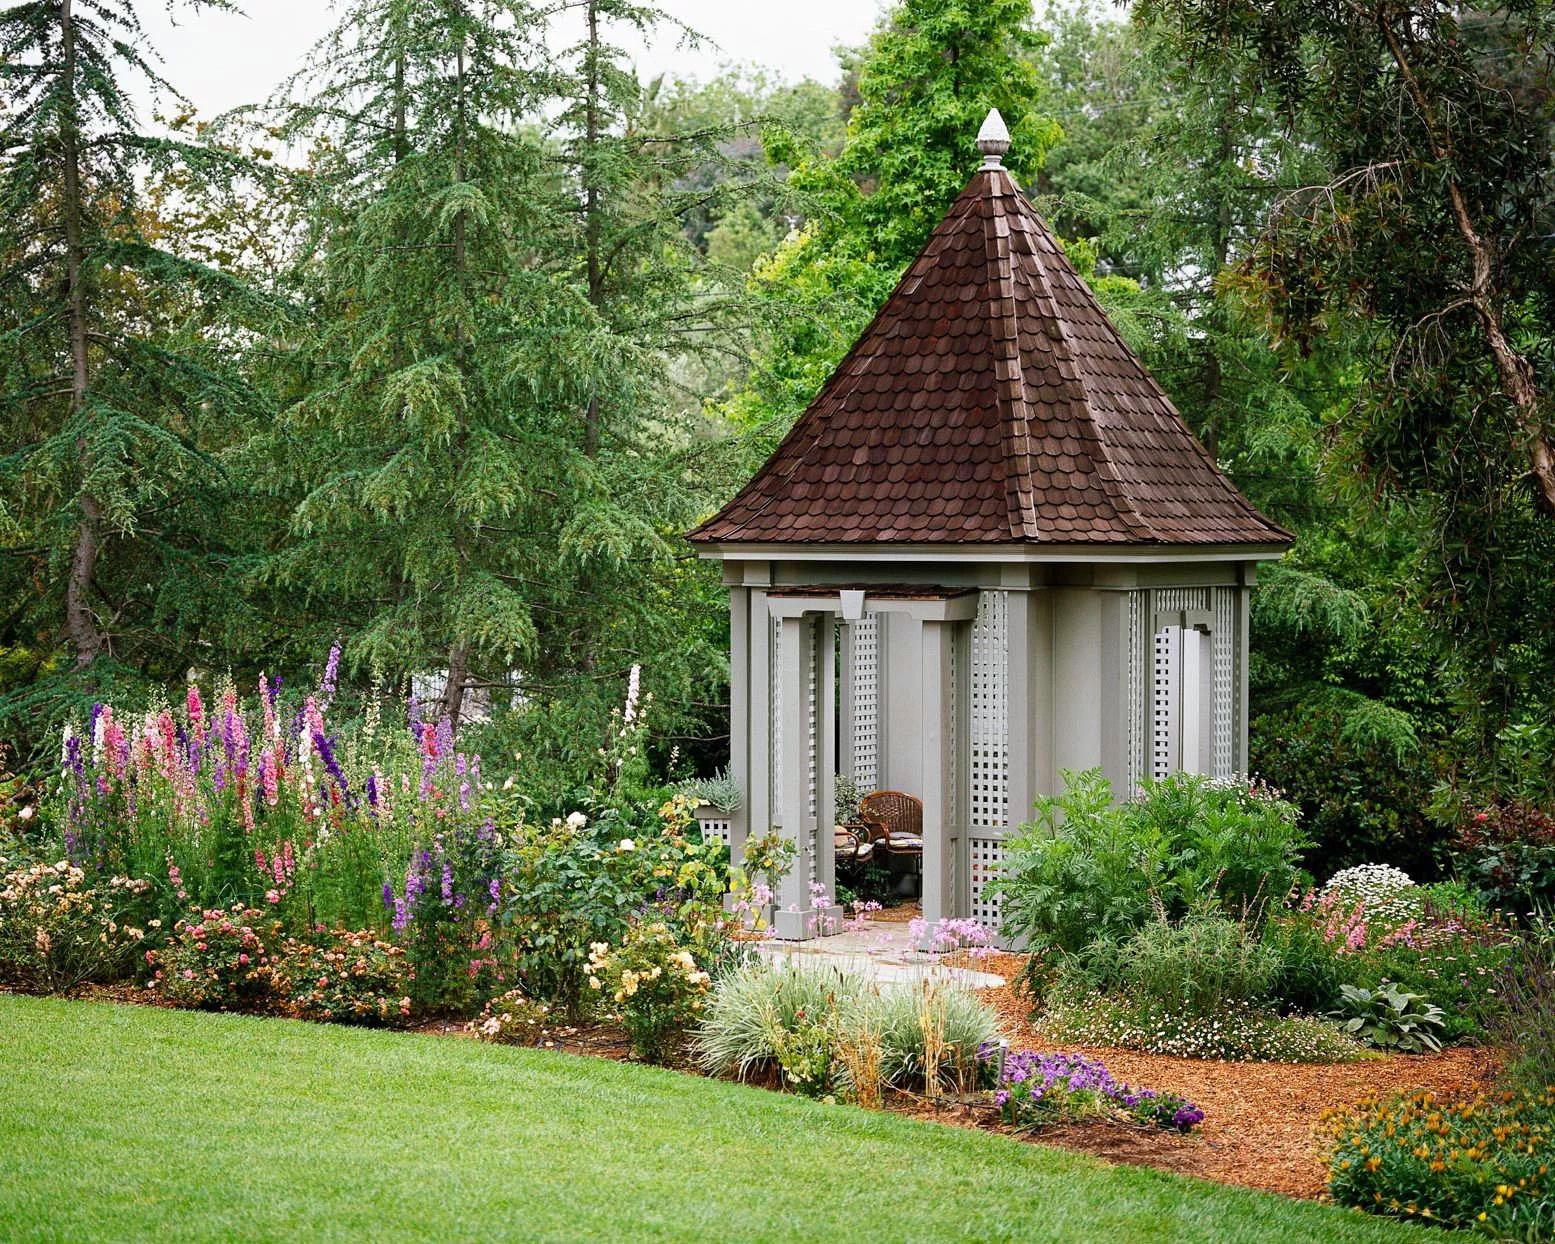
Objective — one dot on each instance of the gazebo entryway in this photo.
(989, 551)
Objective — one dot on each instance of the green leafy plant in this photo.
(1390, 1018)
(1199, 965)
(1462, 1161)
(655, 985)
(719, 791)
(1087, 866)
(57, 931)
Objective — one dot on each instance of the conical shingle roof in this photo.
(990, 401)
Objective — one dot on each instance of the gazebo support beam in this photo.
(805, 673)
(937, 766)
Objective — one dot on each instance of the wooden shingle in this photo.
(990, 401)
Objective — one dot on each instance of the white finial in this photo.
(993, 140)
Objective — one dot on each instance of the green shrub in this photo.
(221, 960)
(1310, 973)
(345, 977)
(1359, 798)
(1242, 1032)
(1461, 1161)
(1389, 1018)
(1086, 867)
(655, 985)
(57, 932)
(1199, 965)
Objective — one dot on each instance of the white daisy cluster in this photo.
(1388, 893)
(1237, 1033)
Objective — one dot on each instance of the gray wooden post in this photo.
(760, 815)
(826, 756)
(936, 767)
(800, 652)
(739, 714)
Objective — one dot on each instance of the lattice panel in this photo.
(808, 655)
(1138, 686)
(989, 711)
(1223, 643)
(1177, 599)
(987, 857)
(1165, 700)
(866, 702)
(775, 700)
(715, 829)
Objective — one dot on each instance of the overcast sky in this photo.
(220, 61)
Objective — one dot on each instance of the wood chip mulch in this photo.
(1260, 1125)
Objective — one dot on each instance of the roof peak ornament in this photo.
(993, 140)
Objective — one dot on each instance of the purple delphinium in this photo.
(331, 669)
(495, 890)
(326, 752)
(372, 790)
(388, 897)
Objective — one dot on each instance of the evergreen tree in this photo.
(121, 361)
(490, 468)
(925, 82)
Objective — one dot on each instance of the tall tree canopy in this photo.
(122, 361)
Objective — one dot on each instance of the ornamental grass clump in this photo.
(1525, 1025)
(749, 1004)
(930, 1035)
(57, 931)
(1462, 1161)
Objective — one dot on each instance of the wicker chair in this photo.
(854, 842)
(896, 821)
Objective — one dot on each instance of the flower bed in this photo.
(1462, 1161)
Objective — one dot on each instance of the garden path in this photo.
(881, 953)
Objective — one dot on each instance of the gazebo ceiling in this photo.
(990, 401)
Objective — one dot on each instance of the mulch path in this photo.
(1260, 1124)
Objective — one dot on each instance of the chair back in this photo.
(893, 811)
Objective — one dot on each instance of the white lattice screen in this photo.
(1139, 658)
(775, 701)
(866, 702)
(714, 828)
(1223, 638)
(987, 854)
(809, 645)
(989, 712)
(1179, 599)
(1164, 702)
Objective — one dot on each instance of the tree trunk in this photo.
(80, 623)
(453, 689)
(591, 226)
(1512, 367)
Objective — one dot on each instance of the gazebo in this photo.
(990, 550)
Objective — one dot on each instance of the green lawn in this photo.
(128, 1123)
